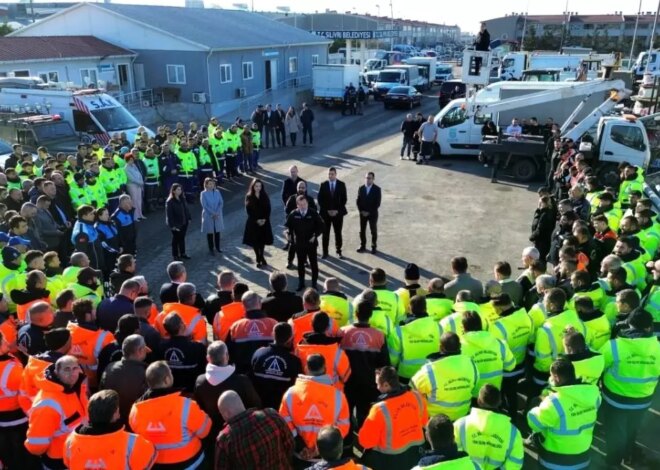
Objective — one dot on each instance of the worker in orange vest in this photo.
(302, 322)
(87, 339)
(330, 445)
(393, 433)
(250, 333)
(13, 421)
(58, 343)
(174, 424)
(313, 402)
(8, 325)
(34, 291)
(103, 443)
(230, 313)
(191, 315)
(59, 407)
(317, 342)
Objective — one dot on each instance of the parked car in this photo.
(402, 96)
(450, 90)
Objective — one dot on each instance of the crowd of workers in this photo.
(96, 374)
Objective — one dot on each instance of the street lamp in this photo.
(655, 24)
(392, 26)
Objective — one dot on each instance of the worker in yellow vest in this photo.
(438, 305)
(388, 301)
(412, 287)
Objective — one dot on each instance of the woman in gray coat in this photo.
(212, 221)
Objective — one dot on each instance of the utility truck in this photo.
(397, 75)
(427, 66)
(515, 63)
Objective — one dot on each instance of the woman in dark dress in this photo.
(177, 217)
(258, 232)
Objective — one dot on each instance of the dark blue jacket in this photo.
(110, 311)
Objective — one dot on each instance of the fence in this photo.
(135, 100)
(247, 105)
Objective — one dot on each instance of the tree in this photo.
(529, 41)
(5, 29)
(336, 45)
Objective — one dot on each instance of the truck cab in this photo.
(644, 59)
(623, 139)
(458, 133)
(541, 75)
(443, 73)
(374, 64)
(34, 131)
(388, 79)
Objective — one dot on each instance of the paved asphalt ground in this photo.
(429, 213)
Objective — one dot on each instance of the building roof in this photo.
(17, 48)
(216, 28)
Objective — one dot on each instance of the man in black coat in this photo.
(271, 125)
(305, 226)
(290, 185)
(290, 206)
(481, 43)
(177, 273)
(332, 199)
(306, 119)
(186, 358)
(368, 203)
(281, 304)
(280, 132)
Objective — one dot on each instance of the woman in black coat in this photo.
(258, 232)
(177, 217)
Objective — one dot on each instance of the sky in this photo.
(466, 13)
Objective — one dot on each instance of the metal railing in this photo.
(135, 100)
(247, 105)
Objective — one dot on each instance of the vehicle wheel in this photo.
(524, 169)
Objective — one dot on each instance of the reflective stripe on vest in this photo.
(614, 370)
(193, 324)
(62, 431)
(462, 433)
(552, 342)
(563, 427)
(129, 449)
(5, 378)
(434, 388)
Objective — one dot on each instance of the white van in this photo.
(89, 112)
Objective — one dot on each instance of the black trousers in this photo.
(280, 134)
(270, 136)
(13, 453)
(179, 241)
(337, 222)
(307, 130)
(305, 251)
(510, 393)
(621, 427)
(213, 239)
(259, 251)
(372, 219)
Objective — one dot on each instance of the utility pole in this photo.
(632, 47)
(655, 24)
(392, 26)
(565, 24)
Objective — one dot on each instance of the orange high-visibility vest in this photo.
(225, 318)
(355, 338)
(191, 317)
(10, 333)
(313, 402)
(22, 309)
(303, 324)
(337, 366)
(33, 373)
(11, 414)
(86, 345)
(119, 449)
(54, 415)
(174, 424)
(395, 424)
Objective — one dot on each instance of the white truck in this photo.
(640, 66)
(460, 121)
(515, 63)
(427, 68)
(330, 81)
(443, 72)
(397, 75)
(90, 112)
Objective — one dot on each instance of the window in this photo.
(315, 59)
(248, 70)
(176, 74)
(293, 64)
(49, 77)
(225, 73)
(21, 73)
(629, 136)
(454, 117)
(88, 77)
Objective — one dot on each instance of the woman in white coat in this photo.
(212, 220)
(292, 124)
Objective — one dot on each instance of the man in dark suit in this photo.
(271, 125)
(280, 133)
(305, 226)
(289, 188)
(332, 199)
(368, 202)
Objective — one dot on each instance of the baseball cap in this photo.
(10, 254)
(15, 241)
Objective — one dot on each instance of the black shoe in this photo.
(301, 287)
(290, 266)
(258, 264)
(286, 247)
(218, 250)
(339, 255)
(185, 256)
(419, 162)
(324, 256)
(361, 249)
(263, 263)
(373, 250)
(176, 258)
